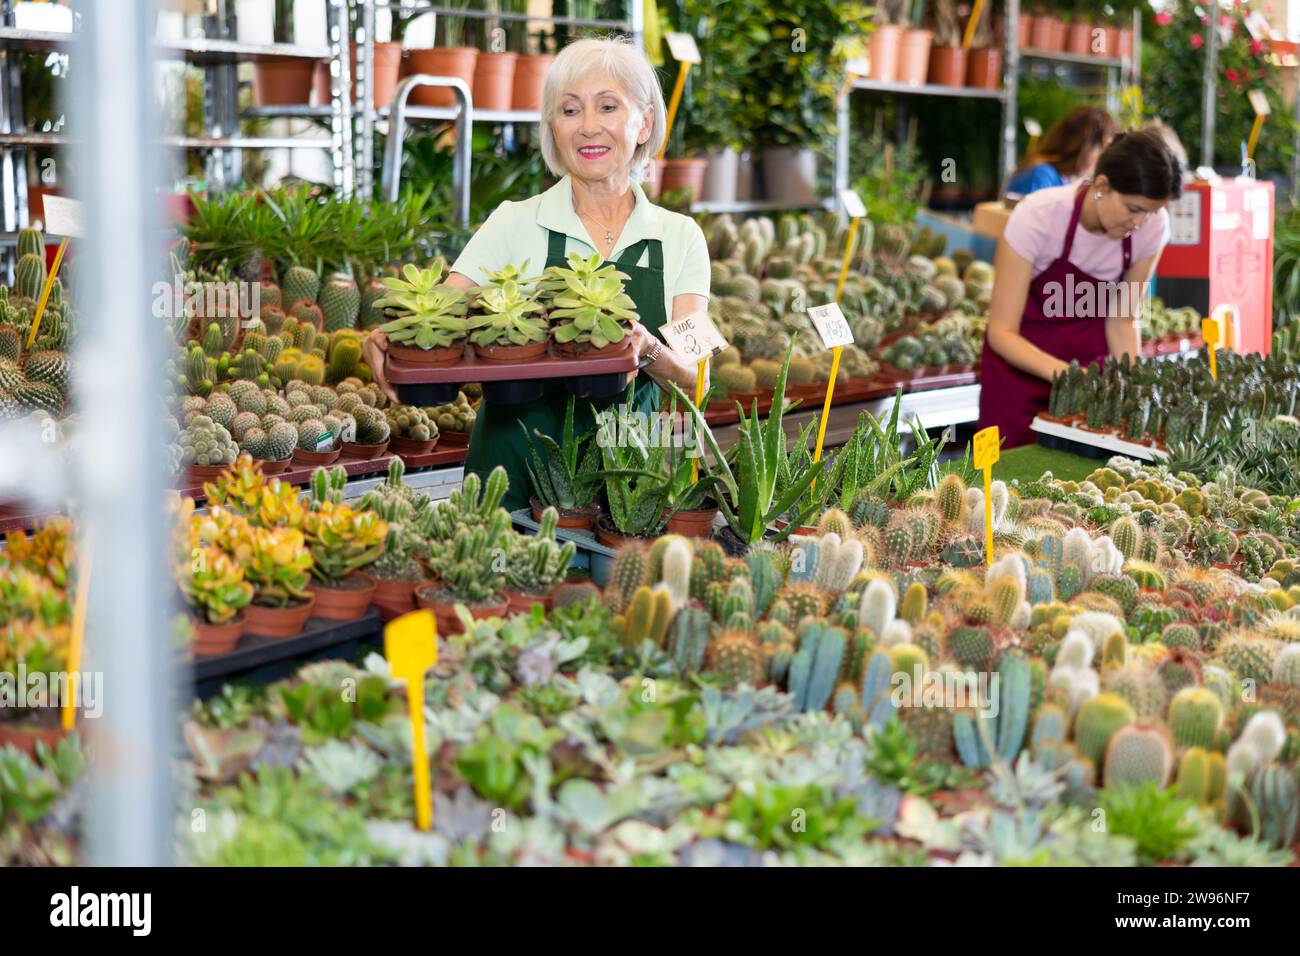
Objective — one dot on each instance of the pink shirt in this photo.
(1036, 230)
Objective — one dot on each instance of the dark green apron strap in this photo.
(556, 243)
(632, 254)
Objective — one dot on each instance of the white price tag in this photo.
(852, 204)
(1032, 126)
(325, 442)
(694, 337)
(63, 217)
(858, 66)
(1259, 102)
(683, 48)
(831, 324)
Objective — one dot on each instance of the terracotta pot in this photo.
(519, 603)
(428, 357)
(914, 57)
(1024, 23)
(886, 41)
(445, 613)
(1110, 40)
(202, 473)
(583, 518)
(1060, 33)
(693, 524)
(1042, 30)
(213, 639)
(344, 604)
(352, 449)
(585, 349)
(314, 459)
(1079, 38)
(684, 174)
(984, 68)
(456, 439)
(494, 81)
(26, 736)
(385, 69)
(275, 467)
(278, 621)
(395, 598)
(806, 392)
(457, 61)
(530, 72)
(282, 81)
(409, 446)
(1124, 43)
(610, 536)
(947, 66)
(510, 353)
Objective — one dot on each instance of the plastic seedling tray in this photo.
(503, 381)
(1090, 444)
(592, 555)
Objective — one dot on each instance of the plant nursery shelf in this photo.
(929, 89)
(36, 41)
(208, 52)
(759, 205)
(260, 657)
(461, 12)
(1077, 59)
(1092, 444)
(477, 116)
(246, 142)
(355, 467)
(473, 369)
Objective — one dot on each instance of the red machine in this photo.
(1220, 252)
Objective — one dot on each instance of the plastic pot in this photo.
(213, 639)
(886, 42)
(454, 439)
(25, 736)
(409, 446)
(610, 536)
(1024, 23)
(510, 353)
(449, 355)
(530, 73)
(444, 610)
(693, 524)
(790, 175)
(720, 177)
(947, 66)
(206, 472)
(585, 350)
(344, 604)
(454, 61)
(914, 57)
(684, 174)
(1042, 32)
(731, 542)
(427, 393)
(984, 68)
(353, 449)
(1124, 43)
(278, 622)
(583, 518)
(494, 81)
(514, 393)
(282, 81)
(315, 459)
(395, 598)
(1079, 38)
(519, 603)
(275, 467)
(597, 386)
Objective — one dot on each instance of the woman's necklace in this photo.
(610, 235)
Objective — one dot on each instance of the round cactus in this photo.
(907, 659)
(1286, 666)
(1099, 718)
(1127, 536)
(736, 658)
(971, 647)
(1195, 715)
(951, 498)
(1136, 755)
(1249, 658)
(1181, 635)
(1142, 688)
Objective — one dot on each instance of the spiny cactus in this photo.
(971, 647)
(803, 600)
(1136, 755)
(764, 577)
(1006, 594)
(1127, 536)
(833, 520)
(1099, 718)
(915, 603)
(1249, 658)
(1147, 576)
(647, 617)
(951, 498)
(1286, 666)
(1069, 582)
(1181, 635)
(1178, 670)
(1276, 797)
(1141, 688)
(1201, 776)
(627, 573)
(736, 658)
(816, 665)
(688, 639)
(877, 608)
(1195, 715)
(1114, 650)
(1123, 590)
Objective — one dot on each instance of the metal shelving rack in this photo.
(219, 54)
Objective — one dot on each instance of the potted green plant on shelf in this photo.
(452, 58)
(467, 571)
(947, 58)
(342, 542)
(427, 324)
(636, 483)
(398, 572)
(277, 563)
(535, 564)
(565, 475)
(283, 80)
(589, 309)
(507, 324)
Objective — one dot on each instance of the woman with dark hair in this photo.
(1054, 298)
(1067, 153)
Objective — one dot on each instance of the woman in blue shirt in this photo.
(1067, 153)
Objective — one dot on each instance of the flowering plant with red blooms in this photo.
(1174, 51)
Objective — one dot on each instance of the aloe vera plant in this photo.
(425, 313)
(747, 480)
(589, 304)
(506, 315)
(636, 482)
(565, 475)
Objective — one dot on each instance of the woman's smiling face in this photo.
(598, 128)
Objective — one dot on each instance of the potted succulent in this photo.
(465, 570)
(535, 564)
(505, 325)
(887, 39)
(278, 564)
(590, 311)
(412, 432)
(427, 319)
(215, 589)
(282, 80)
(688, 494)
(398, 573)
(914, 51)
(342, 542)
(565, 475)
(636, 483)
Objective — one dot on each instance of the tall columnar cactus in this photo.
(971, 647)
(676, 571)
(648, 616)
(29, 276)
(764, 577)
(1286, 666)
(1201, 776)
(300, 284)
(1136, 755)
(1114, 650)
(1039, 587)
(816, 665)
(1276, 796)
(915, 603)
(1006, 594)
(1006, 728)
(340, 300)
(877, 607)
(688, 639)
(951, 498)
(1195, 715)
(1099, 718)
(835, 521)
(877, 701)
(839, 564)
(627, 574)
(1069, 583)
(1127, 536)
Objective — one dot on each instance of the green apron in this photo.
(497, 438)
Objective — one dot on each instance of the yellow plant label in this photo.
(987, 447)
(411, 646)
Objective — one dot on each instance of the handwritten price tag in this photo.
(831, 325)
(695, 337)
(63, 217)
(682, 47)
(852, 204)
(1259, 103)
(987, 446)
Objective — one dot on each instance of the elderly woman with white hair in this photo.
(603, 119)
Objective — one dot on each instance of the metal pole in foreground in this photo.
(119, 473)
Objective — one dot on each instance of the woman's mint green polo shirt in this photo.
(517, 231)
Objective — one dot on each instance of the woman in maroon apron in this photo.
(1052, 307)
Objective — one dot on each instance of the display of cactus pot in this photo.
(427, 319)
(507, 324)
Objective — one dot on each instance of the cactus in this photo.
(816, 665)
(1136, 755)
(1286, 666)
(1181, 635)
(736, 658)
(914, 605)
(1006, 593)
(1114, 650)
(908, 659)
(1147, 576)
(963, 552)
(29, 276)
(340, 301)
(1123, 590)
(1195, 715)
(877, 607)
(647, 617)
(299, 284)
(1006, 730)
(835, 521)
(1069, 582)
(857, 644)
(1099, 718)
(1201, 776)
(951, 497)
(1276, 796)
(1039, 588)
(877, 700)
(803, 600)
(805, 559)
(870, 510)
(971, 647)
(898, 545)
(1249, 658)
(1179, 670)
(626, 575)
(765, 579)
(675, 572)
(1143, 690)
(688, 639)
(1126, 534)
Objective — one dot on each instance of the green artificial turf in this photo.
(1028, 462)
